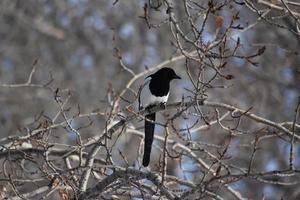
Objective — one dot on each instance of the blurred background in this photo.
(78, 43)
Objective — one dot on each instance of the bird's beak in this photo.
(176, 77)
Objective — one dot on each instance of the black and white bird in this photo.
(155, 91)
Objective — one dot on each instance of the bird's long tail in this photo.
(149, 133)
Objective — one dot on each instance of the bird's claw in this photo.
(163, 105)
(149, 108)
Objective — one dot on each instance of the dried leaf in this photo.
(219, 21)
(64, 194)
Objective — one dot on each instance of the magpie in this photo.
(154, 91)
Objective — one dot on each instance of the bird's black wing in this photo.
(143, 98)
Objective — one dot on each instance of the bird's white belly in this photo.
(158, 100)
(147, 98)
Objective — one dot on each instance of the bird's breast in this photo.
(150, 97)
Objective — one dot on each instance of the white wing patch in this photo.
(146, 98)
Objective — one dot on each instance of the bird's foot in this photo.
(163, 105)
(149, 108)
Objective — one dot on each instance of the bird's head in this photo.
(165, 73)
